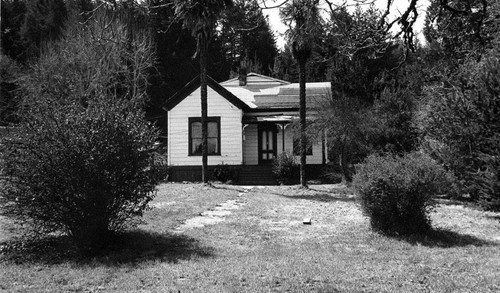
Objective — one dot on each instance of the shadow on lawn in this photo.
(445, 239)
(321, 197)
(496, 217)
(128, 248)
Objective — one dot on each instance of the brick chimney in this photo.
(242, 76)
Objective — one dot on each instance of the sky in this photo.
(279, 28)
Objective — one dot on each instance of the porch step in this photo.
(257, 175)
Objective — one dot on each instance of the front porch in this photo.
(267, 135)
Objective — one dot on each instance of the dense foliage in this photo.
(285, 168)
(82, 159)
(225, 173)
(463, 128)
(396, 192)
(81, 171)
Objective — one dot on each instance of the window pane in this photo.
(196, 146)
(213, 146)
(213, 136)
(270, 140)
(213, 129)
(196, 130)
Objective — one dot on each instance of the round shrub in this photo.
(86, 172)
(396, 193)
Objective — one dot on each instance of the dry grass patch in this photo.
(263, 246)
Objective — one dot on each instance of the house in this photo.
(250, 121)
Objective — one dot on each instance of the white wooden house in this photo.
(250, 122)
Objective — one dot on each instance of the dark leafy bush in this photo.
(224, 173)
(87, 173)
(285, 168)
(332, 174)
(396, 193)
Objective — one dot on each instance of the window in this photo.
(296, 147)
(195, 139)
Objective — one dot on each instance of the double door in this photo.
(267, 143)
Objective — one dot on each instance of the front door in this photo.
(267, 143)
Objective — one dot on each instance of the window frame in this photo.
(192, 120)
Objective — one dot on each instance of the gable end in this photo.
(193, 85)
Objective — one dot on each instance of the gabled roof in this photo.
(194, 84)
(261, 94)
(255, 81)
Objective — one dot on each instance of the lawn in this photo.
(235, 239)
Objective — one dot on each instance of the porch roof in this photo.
(253, 119)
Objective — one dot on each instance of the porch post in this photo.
(243, 144)
(282, 126)
(323, 148)
(283, 137)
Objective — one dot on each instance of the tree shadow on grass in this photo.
(495, 217)
(128, 248)
(445, 239)
(321, 197)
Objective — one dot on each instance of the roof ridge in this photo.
(283, 82)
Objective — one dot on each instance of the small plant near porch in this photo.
(284, 168)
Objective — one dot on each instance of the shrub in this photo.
(83, 159)
(224, 173)
(396, 192)
(284, 168)
(85, 173)
(332, 174)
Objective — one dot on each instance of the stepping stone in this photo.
(218, 213)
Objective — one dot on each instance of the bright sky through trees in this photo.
(398, 8)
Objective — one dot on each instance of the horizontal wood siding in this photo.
(231, 131)
(251, 153)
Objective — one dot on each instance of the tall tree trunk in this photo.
(204, 110)
(344, 163)
(302, 113)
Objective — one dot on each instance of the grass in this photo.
(262, 246)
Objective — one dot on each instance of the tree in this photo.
(82, 160)
(285, 67)
(462, 127)
(247, 37)
(302, 16)
(43, 22)
(200, 17)
(10, 70)
(372, 102)
(13, 12)
(462, 27)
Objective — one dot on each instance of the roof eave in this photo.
(191, 86)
